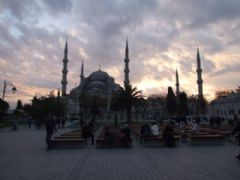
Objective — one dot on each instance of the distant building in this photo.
(226, 107)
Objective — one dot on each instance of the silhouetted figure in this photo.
(87, 131)
(49, 130)
(195, 127)
(63, 122)
(231, 122)
(198, 120)
(168, 135)
(29, 122)
(236, 130)
(15, 126)
(108, 136)
(211, 122)
(218, 122)
(55, 124)
(145, 131)
(58, 122)
(125, 136)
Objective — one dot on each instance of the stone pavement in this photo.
(23, 156)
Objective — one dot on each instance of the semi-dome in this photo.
(99, 76)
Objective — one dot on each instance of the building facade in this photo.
(227, 107)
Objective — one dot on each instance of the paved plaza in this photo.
(23, 156)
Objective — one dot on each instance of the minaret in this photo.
(199, 76)
(82, 73)
(126, 70)
(177, 83)
(65, 71)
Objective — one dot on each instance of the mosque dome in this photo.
(98, 84)
(99, 76)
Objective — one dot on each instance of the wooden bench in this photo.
(67, 137)
(67, 142)
(158, 140)
(101, 142)
(208, 139)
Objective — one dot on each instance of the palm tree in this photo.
(127, 98)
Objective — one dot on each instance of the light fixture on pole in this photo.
(5, 85)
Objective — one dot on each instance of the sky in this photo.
(163, 36)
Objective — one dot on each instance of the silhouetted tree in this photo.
(127, 98)
(27, 108)
(19, 104)
(47, 105)
(202, 105)
(4, 106)
(182, 104)
(171, 102)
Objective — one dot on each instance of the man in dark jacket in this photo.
(87, 131)
(168, 135)
(236, 130)
(49, 129)
(145, 131)
(125, 136)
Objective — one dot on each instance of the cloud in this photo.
(59, 6)
(163, 36)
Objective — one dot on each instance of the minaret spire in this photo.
(199, 76)
(65, 71)
(177, 83)
(126, 70)
(82, 71)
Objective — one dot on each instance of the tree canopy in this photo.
(126, 98)
(182, 104)
(171, 102)
(4, 106)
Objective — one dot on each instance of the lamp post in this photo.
(5, 85)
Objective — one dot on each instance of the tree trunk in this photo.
(129, 114)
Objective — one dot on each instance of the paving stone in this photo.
(23, 156)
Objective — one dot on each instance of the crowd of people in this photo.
(110, 136)
(154, 130)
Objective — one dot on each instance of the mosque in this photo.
(98, 83)
(101, 84)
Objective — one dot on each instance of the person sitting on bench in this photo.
(108, 136)
(195, 129)
(87, 131)
(125, 135)
(145, 131)
(236, 130)
(168, 135)
(155, 129)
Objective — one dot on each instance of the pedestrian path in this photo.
(23, 156)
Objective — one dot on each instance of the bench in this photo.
(67, 137)
(158, 140)
(101, 142)
(208, 139)
(67, 142)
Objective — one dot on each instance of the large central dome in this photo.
(99, 76)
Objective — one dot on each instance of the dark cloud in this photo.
(21, 10)
(59, 6)
(33, 35)
(233, 68)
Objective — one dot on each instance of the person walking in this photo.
(49, 130)
(87, 131)
(236, 130)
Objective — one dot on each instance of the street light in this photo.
(14, 89)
